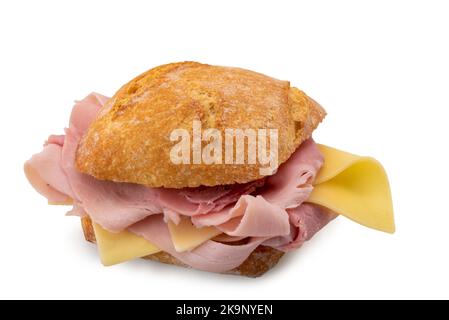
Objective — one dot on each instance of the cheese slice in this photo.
(120, 247)
(185, 236)
(115, 248)
(355, 187)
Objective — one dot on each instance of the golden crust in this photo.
(260, 261)
(129, 141)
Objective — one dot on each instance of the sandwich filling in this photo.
(223, 224)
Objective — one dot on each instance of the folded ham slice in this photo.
(255, 217)
(269, 211)
(210, 256)
(46, 175)
(305, 221)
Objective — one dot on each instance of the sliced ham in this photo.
(202, 200)
(255, 217)
(46, 175)
(55, 139)
(292, 183)
(210, 256)
(85, 111)
(213, 199)
(305, 221)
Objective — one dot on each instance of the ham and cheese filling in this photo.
(271, 211)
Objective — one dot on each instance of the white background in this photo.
(380, 68)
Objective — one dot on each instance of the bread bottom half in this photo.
(261, 260)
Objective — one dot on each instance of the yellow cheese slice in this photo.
(115, 248)
(355, 187)
(186, 236)
(120, 247)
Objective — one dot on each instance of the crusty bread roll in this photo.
(129, 141)
(261, 260)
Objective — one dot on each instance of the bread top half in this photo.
(130, 139)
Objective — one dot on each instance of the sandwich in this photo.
(207, 167)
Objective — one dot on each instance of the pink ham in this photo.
(213, 199)
(85, 111)
(305, 221)
(292, 184)
(46, 175)
(255, 217)
(45, 170)
(210, 256)
(202, 200)
(55, 139)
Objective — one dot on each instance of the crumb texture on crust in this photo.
(260, 261)
(130, 139)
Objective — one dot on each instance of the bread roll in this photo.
(130, 140)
